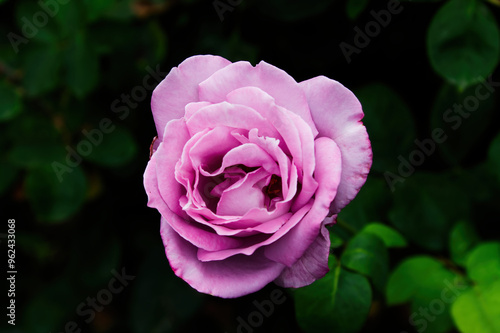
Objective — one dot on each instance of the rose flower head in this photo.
(248, 169)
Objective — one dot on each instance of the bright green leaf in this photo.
(414, 275)
(478, 310)
(55, 198)
(10, 101)
(387, 116)
(339, 302)
(366, 254)
(463, 237)
(112, 149)
(431, 289)
(463, 42)
(483, 263)
(389, 236)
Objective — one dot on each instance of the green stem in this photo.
(344, 225)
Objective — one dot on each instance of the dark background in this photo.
(70, 237)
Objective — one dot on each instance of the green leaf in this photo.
(82, 66)
(463, 42)
(48, 310)
(112, 149)
(41, 29)
(55, 197)
(10, 101)
(389, 236)
(335, 239)
(463, 238)
(387, 116)
(35, 154)
(41, 69)
(478, 310)
(483, 263)
(430, 288)
(96, 8)
(366, 254)
(463, 117)
(70, 18)
(494, 156)
(32, 127)
(371, 204)
(355, 7)
(425, 208)
(36, 246)
(413, 276)
(339, 302)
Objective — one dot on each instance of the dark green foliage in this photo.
(417, 250)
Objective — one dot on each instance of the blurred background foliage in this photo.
(418, 249)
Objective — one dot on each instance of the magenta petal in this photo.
(229, 115)
(274, 81)
(166, 157)
(234, 277)
(313, 265)
(210, 149)
(244, 194)
(248, 154)
(337, 114)
(180, 87)
(288, 226)
(288, 249)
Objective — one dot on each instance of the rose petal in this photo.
(244, 194)
(313, 265)
(197, 234)
(337, 114)
(209, 255)
(209, 150)
(276, 82)
(164, 160)
(248, 154)
(229, 115)
(180, 87)
(233, 277)
(288, 249)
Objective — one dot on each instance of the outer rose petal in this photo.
(337, 114)
(233, 277)
(165, 158)
(274, 81)
(312, 266)
(180, 87)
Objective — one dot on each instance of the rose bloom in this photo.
(248, 168)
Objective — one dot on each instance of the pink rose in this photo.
(248, 168)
